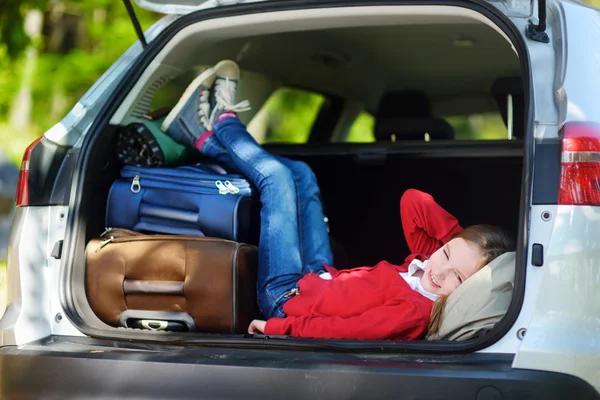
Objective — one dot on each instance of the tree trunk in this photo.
(20, 114)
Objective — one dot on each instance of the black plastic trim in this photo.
(534, 33)
(136, 23)
(57, 250)
(82, 368)
(437, 149)
(75, 235)
(328, 116)
(44, 164)
(64, 178)
(546, 171)
(538, 32)
(537, 254)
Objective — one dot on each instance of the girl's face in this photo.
(450, 266)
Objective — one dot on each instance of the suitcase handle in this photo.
(154, 211)
(156, 320)
(168, 220)
(144, 226)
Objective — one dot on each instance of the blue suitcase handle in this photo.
(144, 226)
(172, 214)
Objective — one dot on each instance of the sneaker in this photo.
(223, 96)
(190, 118)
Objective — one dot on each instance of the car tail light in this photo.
(580, 164)
(22, 196)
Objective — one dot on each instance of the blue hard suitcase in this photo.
(199, 200)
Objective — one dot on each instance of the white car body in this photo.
(558, 327)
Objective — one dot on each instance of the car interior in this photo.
(413, 76)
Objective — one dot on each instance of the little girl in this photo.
(298, 292)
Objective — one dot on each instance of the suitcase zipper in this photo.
(127, 173)
(104, 243)
(224, 188)
(125, 235)
(124, 232)
(232, 188)
(227, 187)
(135, 185)
(221, 187)
(163, 237)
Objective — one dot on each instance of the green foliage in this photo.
(291, 115)
(13, 142)
(363, 128)
(478, 126)
(13, 38)
(80, 40)
(2, 287)
(593, 3)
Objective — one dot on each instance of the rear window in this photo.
(477, 126)
(485, 126)
(362, 129)
(287, 116)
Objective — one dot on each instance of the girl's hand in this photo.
(257, 326)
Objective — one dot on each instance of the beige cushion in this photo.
(480, 302)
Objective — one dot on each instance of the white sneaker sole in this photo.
(191, 89)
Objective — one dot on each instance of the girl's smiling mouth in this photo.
(433, 281)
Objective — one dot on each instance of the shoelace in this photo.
(204, 109)
(225, 93)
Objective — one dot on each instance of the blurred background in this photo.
(52, 51)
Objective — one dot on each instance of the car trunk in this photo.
(361, 184)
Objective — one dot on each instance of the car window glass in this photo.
(287, 116)
(484, 126)
(477, 126)
(362, 129)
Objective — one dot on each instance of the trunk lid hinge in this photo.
(135, 22)
(538, 32)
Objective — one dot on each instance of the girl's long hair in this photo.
(492, 242)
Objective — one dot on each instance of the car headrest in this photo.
(397, 129)
(407, 116)
(480, 302)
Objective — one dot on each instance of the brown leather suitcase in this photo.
(163, 281)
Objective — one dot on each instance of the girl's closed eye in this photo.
(459, 278)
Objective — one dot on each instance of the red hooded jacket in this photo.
(371, 302)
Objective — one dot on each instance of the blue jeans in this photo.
(293, 234)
